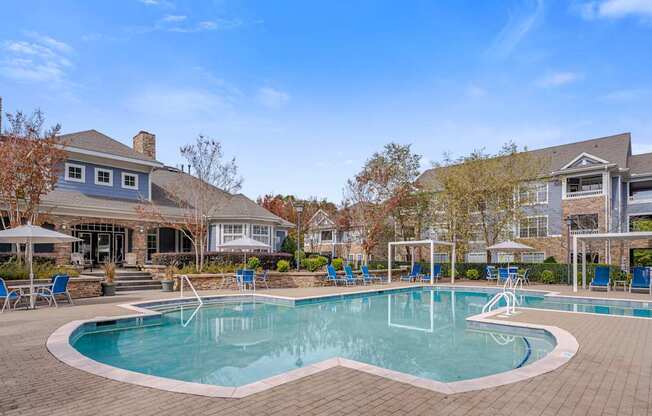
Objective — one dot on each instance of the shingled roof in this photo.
(95, 141)
(640, 164)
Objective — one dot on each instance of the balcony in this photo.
(640, 192)
(583, 186)
(584, 232)
(580, 194)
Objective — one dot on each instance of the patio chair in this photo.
(525, 278)
(491, 273)
(513, 271)
(503, 275)
(601, 279)
(59, 287)
(6, 295)
(247, 278)
(414, 273)
(350, 277)
(332, 275)
(262, 278)
(370, 278)
(426, 278)
(640, 279)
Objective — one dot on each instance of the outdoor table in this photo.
(620, 282)
(25, 291)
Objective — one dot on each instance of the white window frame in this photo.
(536, 236)
(441, 257)
(532, 189)
(326, 241)
(226, 234)
(268, 235)
(524, 255)
(75, 165)
(122, 183)
(110, 171)
(476, 257)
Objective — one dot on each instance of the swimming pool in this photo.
(422, 332)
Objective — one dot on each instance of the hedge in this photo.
(267, 260)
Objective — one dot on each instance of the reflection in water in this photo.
(417, 332)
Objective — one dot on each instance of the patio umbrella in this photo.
(29, 235)
(245, 244)
(509, 245)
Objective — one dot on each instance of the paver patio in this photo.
(610, 375)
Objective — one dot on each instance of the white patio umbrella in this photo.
(245, 244)
(29, 235)
(509, 245)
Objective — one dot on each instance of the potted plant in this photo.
(167, 283)
(108, 286)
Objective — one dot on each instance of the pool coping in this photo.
(566, 346)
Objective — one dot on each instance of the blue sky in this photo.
(301, 93)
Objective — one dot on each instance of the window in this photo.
(441, 257)
(327, 235)
(533, 193)
(584, 223)
(584, 184)
(75, 173)
(640, 191)
(129, 180)
(260, 233)
(640, 223)
(476, 257)
(152, 243)
(233, 232)
(532, 227)
(533, 257)
(103, 177)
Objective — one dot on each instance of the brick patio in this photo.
(610, 375)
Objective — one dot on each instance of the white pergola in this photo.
(582, 239)
(419, 243)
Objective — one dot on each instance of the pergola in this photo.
(584, 238)
(419, 243)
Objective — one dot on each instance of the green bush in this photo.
(550, 260)
(472, 274)
(337, 263)
(12, 270)
(253, 263)
(314, 263)
(283, 266)
(548, 277)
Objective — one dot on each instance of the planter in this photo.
(167, 285)
(108, 289)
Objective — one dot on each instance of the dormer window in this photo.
(129, 180)
(103, 177)
(75, 173)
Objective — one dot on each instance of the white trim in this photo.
(122, 182)
(98, 170)
(75, 165)
(584, 155)
(535, 183)
(518, 231)
(110, 156)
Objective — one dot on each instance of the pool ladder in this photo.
(185, 278)
(510, 300)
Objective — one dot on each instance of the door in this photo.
(86, 245)
(103, 247)
(119, 245)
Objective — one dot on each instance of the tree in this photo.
(31, 160)
(196, 194)
(381, 192)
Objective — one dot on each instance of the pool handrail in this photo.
(187, 279)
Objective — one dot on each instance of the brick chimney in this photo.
(145, 143)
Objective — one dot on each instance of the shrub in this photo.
(473, 274)
(550, 260)
(12, 270)
(283, 266)
(109, 271)
(289, 246)
(548, 277)
(253, 263)
(217, 259)
(312, 264)
(337, 263)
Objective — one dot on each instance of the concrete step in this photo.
(134, 277)
(136, 287)
(120, 283)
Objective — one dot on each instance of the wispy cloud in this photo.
(557, 79)
(40, 59)
(614, 9)
(519, 24)
(626, 95)
(272, 98)
(174, 18)
(179, 104)
(182, 24)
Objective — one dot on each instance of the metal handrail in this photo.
(187, 279)
(509, 297)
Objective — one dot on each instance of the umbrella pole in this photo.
(32, 298)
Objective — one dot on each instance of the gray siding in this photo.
(616, 214)
(116, 191)
(552, 209)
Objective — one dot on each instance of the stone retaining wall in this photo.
(79, 287)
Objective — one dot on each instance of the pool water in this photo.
(422, 332)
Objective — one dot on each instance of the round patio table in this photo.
(25, 291)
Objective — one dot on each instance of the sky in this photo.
(301, 93)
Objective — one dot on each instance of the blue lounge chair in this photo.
(262, 278)
(248, 278)
(601, 278)
(350, 277)
(414, 273)
(503, 275)
(6, 295)
(640, 279)
(426, 278)
(491, 273)
(370, 278)
(59, 287)
(332, 275)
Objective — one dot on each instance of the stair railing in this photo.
(185, 278)
(510, 300)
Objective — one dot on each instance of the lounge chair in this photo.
(503, 275)
(370, 278)
(248, 278)
(640, 279)
(426, 278)
(6, 295)
(414, 273)
(332, 275)
(350, 277)
(59, 287)
(262, 278)
(601, 279)
(491, 273)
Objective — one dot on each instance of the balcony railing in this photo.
(580, 194)
(584, 232)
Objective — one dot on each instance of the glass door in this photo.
(119, 245)
(86, 245)
(103, 247)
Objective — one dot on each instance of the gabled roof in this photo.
(93, 140)
(640, 164)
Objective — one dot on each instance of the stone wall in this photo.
(79, 287)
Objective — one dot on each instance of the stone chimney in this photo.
(145, 143)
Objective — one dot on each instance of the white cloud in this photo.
(625, 95)
(558, 79)
(519, 24)
(272, 98)
(174, 18)
(179, 104)
(44, 59)
(615, 9)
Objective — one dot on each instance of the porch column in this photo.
(583, 264)
(574, 251)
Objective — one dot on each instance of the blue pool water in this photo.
(422, 332)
